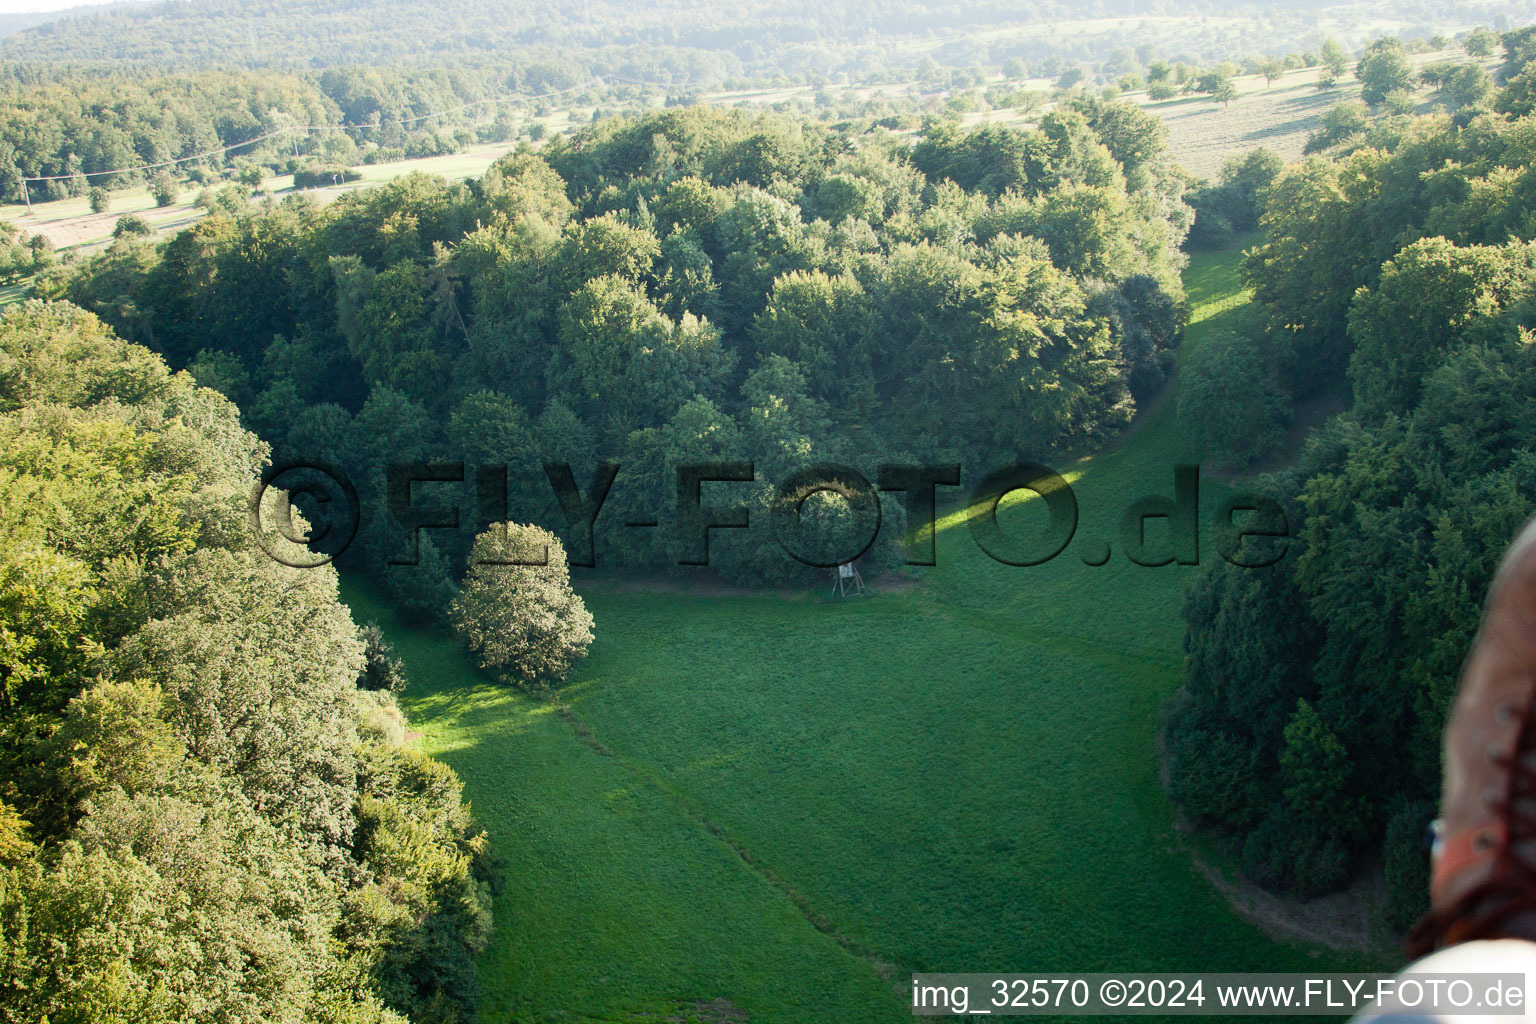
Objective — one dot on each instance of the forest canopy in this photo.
(1398, 273)
(205, 810)
(694, 284)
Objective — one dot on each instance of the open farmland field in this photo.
(1203, 134)
(1279, 115)
(70, 222)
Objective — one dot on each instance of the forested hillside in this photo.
(208, 810)
(694, 284)
(1399, 272)
(690, 43)
(74, 129)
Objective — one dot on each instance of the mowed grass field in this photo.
(1203, 134)
(781, 805)
(70, 222)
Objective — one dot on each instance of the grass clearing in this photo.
(789, 804)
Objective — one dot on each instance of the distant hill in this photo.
(10, 24)
(696, 40)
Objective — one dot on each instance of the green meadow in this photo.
(789, 803)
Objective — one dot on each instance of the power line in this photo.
(163, 163)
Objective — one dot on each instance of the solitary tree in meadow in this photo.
(517, 611)
(165, 189)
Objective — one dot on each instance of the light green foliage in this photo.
(1343, 121)
(1335, 60)
(1467, 85)
(1383, 69)
(713, 705)
(165, 189)
(1433, 297)
(522, 620)
(192, 809)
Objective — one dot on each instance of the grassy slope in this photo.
(958, 777)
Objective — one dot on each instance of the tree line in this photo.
(1397, 273)
(692, 285)
(208, 806)
(693, 45)
(82, 128)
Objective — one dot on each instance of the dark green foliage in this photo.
(131, 225)
(381, 669)
(1468, 85)
(1432, 298)
(104, 125)
(1480, 42)
(1405, 851)
(1230, 402)
(20, 255)
(624, 281)
(1342, 122)
(1233, 206)
(1405, 272)
(164, 188)
(323, 177)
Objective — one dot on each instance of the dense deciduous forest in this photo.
(207, 805)
(688, 42)
(85, 98)
(72, 127)
(229, 773)
(694, 284)
(1398, 272)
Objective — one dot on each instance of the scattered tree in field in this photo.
(1480, 42)
(1343, 121)
(1272, 69)
(522, 620)
(131, 225)
(233, 199)
(1468, 85)
(1398, 102)
(1071, 78)
(165, 189)
(99, 199)
(1384, 68)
